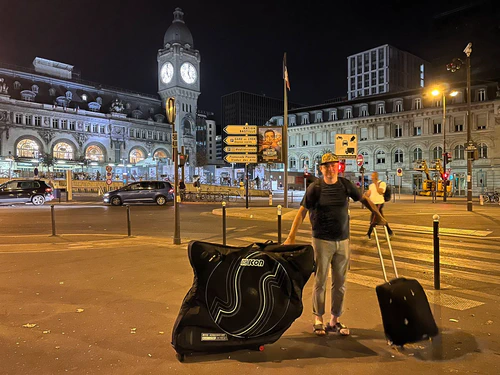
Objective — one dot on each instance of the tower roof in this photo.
(178, 32)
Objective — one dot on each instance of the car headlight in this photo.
(106, 194)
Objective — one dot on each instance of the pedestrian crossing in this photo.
(470, 267)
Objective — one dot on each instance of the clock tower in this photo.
(179, 77)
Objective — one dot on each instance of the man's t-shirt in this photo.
(328, 212)
(375, 197)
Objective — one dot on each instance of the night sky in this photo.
(242, 44)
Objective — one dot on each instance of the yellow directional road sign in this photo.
(240, 149)
(241, 129)
(241, 140)
(241, 158)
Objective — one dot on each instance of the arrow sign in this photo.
(241, 129)
(235, 140)
(241, 158)
(240, 149)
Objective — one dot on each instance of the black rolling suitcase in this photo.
(242, 297)
(406, 313)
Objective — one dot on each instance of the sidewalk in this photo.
(402, 214)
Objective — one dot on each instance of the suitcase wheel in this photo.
(180, 357)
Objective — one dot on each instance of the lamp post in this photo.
(171, 114)
(443, 92)
(469, 147)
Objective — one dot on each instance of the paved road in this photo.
(103, 303)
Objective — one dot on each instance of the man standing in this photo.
(327, 203)
(376, 192)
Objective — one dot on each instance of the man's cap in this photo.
(329, 158)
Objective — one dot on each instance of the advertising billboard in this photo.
(270, 144)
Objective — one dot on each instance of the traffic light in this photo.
(450, 159)
(182, 159)
(445, 176)
(341, 166)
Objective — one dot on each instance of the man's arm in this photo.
(378, 219)
(299, 218)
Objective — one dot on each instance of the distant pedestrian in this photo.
(376, 192)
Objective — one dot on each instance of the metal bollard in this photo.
(53, 217)
(279, 223)
(128, 221)
(224, 223)
(270, 198)
(414, 196)
(437, 279)
(481, 200)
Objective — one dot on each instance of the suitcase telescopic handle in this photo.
(390, 252)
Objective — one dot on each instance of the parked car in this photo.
(159, 192)
(23, 191)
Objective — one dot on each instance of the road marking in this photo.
(434, 297)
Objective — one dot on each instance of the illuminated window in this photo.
(27, 148)
(160, 155)
(417, 154)
(94, 153)
(136, 156)
(63, 150)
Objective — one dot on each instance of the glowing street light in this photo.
(443, 92)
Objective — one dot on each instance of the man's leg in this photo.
(323, 252)
(370, 229)
(340, 265)
(389, 230)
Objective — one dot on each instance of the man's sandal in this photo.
(319, 329)
(338, 328)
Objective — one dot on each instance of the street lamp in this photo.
(443, 92)
(455, 65)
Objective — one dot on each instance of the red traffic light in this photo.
(341, 167)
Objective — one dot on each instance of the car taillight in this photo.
(171, 190)
(48, 190)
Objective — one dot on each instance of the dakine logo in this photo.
(252, 263)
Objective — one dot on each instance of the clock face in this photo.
(188, 73)
(167, 72)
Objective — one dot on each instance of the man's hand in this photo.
(378, 219)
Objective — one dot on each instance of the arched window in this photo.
(437, 153)
(365, 157)
(417, 154)
(160, 155)
(27, 148)
(398, 156)
(136, 156)
(380, 157)
(458, 152)
(94, 153)
(293, 162)
(483, 151)
(63, 150)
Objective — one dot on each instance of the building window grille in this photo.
(348, 113)
(418, 103)
(27, 148)
(437, 127)
(38, 120)
(72, 125)
(363, 134)
(380, 157)
(380, 109)
(417, 154)
(64, 124)
(417, 130)
(483, 151)
(398, 156)
(55, 123)
(437, 153)
(19, 118)
(28, 120)
(459, 152)
(481, 121)
(399, 107)
(95, 128)
(398, 131)
(481, 95)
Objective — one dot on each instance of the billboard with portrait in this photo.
(270, 144)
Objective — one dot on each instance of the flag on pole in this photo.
(285, 73)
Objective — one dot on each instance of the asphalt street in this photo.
(92, 300)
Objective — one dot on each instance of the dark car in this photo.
(159, 192)
(23, 191)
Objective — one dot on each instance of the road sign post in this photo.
(171, 115)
